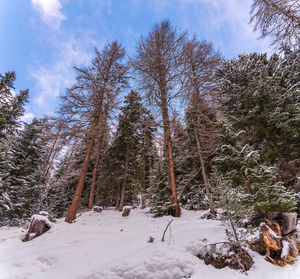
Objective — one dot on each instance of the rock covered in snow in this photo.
(225, 254)
(126, 212)
(44, 213)
(98, 209)
(39, 225)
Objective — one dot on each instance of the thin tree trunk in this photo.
(169, 159)
(73, 209)
(150, 172)
(143, 190)
(92, 191)
(118, 195)
(49, 160)
(125, 179)
(205, 178)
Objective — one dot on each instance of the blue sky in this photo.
(43, 39)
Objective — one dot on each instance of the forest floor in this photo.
(108, 246)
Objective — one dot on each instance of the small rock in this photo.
(126, 212)
(151, 239)
(98, 209)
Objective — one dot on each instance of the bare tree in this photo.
(279, 19)
(201, 61)
(160, 68)
(83, 103)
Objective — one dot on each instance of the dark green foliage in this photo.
(187, 167)
(11, 109)
(24, 180)
(243, 184)
(160, 192)
(135, 132)
(261, 96)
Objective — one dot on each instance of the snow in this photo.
(250, 153)
(271, 232)
(45, 213)
(108, 246)
(285, 249)
(42, 218)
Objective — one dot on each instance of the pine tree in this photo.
(261, 96)
(159, 192)
(25, 174)
(11, 109)
(244, 185)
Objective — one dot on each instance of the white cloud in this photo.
(27, 117)
(226, 22)
(50, 11)
(53, 79)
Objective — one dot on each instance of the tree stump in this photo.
(281, 242)
(126, 212)
(39, 225)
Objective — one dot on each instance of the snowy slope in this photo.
(108, 246)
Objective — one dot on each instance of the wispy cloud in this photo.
(27, 117)
(53, 79)
(50, 11)
(227, 22)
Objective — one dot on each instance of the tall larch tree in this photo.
(277, 19)
(84, 102)
(201, 61)
(160, 68)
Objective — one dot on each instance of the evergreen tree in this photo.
(159, 192)
(126, 173)
(11, 109)
(187, 167)
(261, 96)
(25, 177)
(244, 185)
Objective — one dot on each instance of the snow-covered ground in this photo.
(108, 246)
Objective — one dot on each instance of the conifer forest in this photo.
(168, 161)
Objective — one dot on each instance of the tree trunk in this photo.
(91, 197)
(49, 160)
(125, 179)
(169, 159)
(118, 195)
(92, 191)
(143, 190)
(205, 178)
(73, 209)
